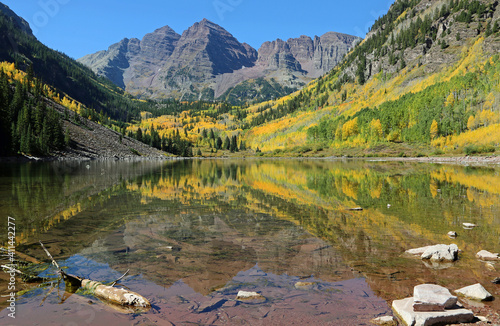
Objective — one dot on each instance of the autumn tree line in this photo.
(216, 142)
(448, 108)
(174, 144)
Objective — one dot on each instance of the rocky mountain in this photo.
(206, 62)
(16, 20)
(425, 74)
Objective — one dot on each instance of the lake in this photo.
(193, 233)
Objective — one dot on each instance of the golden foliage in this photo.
(376, 131)
(471, 123)
(434, 129)
(350, 128)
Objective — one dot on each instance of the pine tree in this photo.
(227, 143)
(495, 28)
(5, 119)
(233, 146)
(138, 134)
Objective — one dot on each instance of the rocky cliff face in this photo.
(206, 61)
(303, 54)
(18, 21)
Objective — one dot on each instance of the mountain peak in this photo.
(18, 21)
(206, 60)
(166, 30)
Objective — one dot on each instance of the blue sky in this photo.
(79, 27)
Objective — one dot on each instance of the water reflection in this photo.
(204, 222)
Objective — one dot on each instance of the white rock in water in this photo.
(404, 310)
(431, 297)
(488, 256)
(245, 295)
(385, 321)
(452, 234)
(469, 225)
(438, 252)
(475, 292)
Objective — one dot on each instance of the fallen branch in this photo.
(105, 292)
(50, 256)
(118, 279)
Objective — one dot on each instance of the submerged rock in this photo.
(305, 285)
(404, 310)
(475, 292)
(385, 321)
(488, 256)
(469, 225)
(431, 297)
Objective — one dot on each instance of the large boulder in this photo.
(431, 297)
(475, 292)
(440, 252)
(404, 310)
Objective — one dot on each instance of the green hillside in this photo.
(426, 75)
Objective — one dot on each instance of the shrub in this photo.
(475, 149)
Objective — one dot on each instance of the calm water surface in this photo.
(194, 233)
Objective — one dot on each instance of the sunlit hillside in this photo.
(426, 78)
(431, 77)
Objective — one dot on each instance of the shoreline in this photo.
(461, 160)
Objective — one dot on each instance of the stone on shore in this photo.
(487, 256)
(475, 292)
(385, 321)
(404, 310)
(431, 297)
(440, 252)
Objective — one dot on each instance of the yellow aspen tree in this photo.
(66, 102)
(434, 129)
(350, 128)
(489, 101)
(450, 100)
(376, 129)
(471, 123)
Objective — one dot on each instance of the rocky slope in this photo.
(206, 61)
(90, 140)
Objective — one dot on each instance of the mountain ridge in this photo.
(207, 61)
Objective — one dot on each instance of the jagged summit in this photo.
(206, 61)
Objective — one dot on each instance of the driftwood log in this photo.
(115, 295)
(109, 294)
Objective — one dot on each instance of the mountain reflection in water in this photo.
(194, 233)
